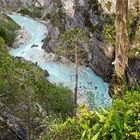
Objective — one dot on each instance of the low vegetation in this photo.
(26, 94)
(121, 121)
(109, 28)
(58, 20)
(8, 29)
(96, 11)
(35, 12)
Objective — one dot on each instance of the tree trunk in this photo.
(119, 81)
(76, 81)
(121, 53)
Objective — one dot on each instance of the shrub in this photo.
(58, 20)
(18, 75)
(121, 121)
(1, 41)
(32, 12)
(28, 95)
(8, 29)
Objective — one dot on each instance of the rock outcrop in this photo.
(6, 5)
(134, 71)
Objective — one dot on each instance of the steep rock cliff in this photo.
(86, 14)
(10, 5)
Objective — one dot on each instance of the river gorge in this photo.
(92, 89)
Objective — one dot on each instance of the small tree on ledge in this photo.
(72, 44)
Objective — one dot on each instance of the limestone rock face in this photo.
(16, 4)
(69, 7)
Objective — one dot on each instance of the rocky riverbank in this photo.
(23, 37)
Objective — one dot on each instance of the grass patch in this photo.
(109, 28)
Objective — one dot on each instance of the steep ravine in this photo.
(92, 89)
(61, 15)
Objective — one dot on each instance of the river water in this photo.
(91, 86)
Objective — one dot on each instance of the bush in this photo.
(109, 28)
(26, 93)
(1, 42)
(17, 76)
(121, 121)
(58, 19)
(8, 29)
(25, 11)
(32, 12)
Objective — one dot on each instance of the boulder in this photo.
(134, 71)
(46, 73)
(34, 45)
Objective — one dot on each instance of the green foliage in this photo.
(71, 39)
(123, 118)
(132, 24)
(96, 10)
(33, 12)
(25, 11)
(119, 86)
(74, 37)
(58, 3)
(121, 121)
(109, 32)
(109, 28)
(27, 94)
(1, 42)
(87, 21)
(58, 19)
(8, 29)
(94, 4)
(135, 39)
(17, 76)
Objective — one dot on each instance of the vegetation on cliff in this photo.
(26, 94)
(121, 121)
(34, 12)
(8, 29)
